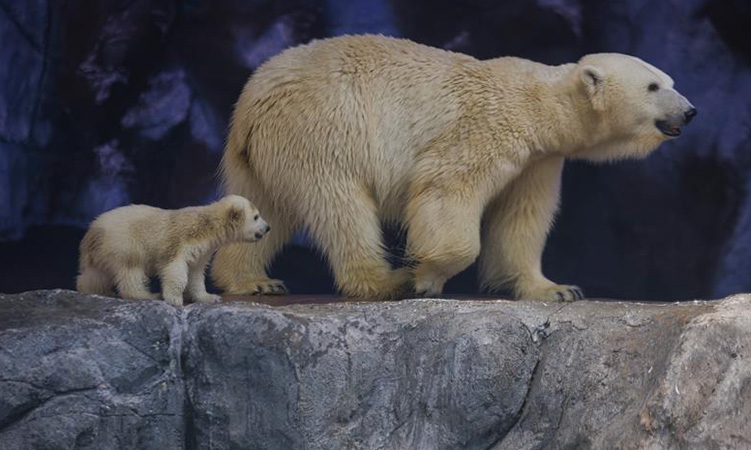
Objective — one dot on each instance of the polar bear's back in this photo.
(343, 108)
(133, 221)
(126, 236)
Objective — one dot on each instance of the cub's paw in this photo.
(174, 300)
(398, 285)
(428, 288)
(556, 293)
(260, 287)
(427, 284)
(208, 298)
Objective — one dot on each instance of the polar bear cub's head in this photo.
(243, 219)
(635, 105)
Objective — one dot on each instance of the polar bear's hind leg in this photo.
(94, 281)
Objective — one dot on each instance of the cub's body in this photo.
(126, 246)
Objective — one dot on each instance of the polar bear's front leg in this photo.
(174, 279)
(444, 239)
(516, 227)
(197, 282)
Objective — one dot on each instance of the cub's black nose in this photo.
(268, 228)
(690, 114)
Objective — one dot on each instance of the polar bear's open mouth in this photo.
(667, 129)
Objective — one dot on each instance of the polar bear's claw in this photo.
(556, 293)
(209, 298)
(269, 287)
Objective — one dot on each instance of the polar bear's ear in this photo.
(235, 214)
(593, 79)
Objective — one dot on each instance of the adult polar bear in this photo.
(341, 134)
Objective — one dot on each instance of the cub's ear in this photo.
(235, 214)
(593, 80)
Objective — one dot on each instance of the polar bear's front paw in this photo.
(260, 287)
(556, 293)
(174, 300)
(208, 298)
(429, 285)
(270, 287)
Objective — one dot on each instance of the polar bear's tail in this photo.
(92, 280)
(235, 170)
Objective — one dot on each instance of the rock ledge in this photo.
(94, 372)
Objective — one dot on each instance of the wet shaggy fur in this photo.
(339, 135)
(127, 245)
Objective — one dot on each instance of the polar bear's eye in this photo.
(653, 87)
(255, 217)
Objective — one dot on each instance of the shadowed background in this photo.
(108, 103)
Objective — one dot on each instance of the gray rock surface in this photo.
(86, 372)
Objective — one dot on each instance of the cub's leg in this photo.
(132, 283)
(196, 289)
(240, 268)
(174, 279)
(95, 282)
(443, 237)
(348, 231)
(516, 227)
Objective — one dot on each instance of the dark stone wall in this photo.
(107, 103)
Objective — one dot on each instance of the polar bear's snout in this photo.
(257, 229)
(689, 115)
(264, 228)
(679, 112)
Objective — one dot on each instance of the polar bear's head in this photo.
(244, 219)
(633, 103)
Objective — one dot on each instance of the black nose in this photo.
(259, 235)
(268, 228)
(690, 114)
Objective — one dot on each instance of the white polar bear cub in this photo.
(125, 246)
(341, 135)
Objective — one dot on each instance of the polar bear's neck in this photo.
(566, 121)
(580, 132)
(556, 115)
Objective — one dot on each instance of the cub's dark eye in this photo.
(653, 87)
(255, 217)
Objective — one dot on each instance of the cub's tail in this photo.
(92, 279)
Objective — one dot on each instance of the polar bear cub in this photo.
(127, 245)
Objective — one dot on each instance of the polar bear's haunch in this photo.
(339, 135)
(125, 246)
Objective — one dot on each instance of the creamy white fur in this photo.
(127, 245)
(338, 135)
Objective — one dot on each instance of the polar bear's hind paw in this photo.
(556, 293)
(266, 286)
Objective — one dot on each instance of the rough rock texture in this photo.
(78, 372)
(411, 375)
(108, 102)
(82, 372)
